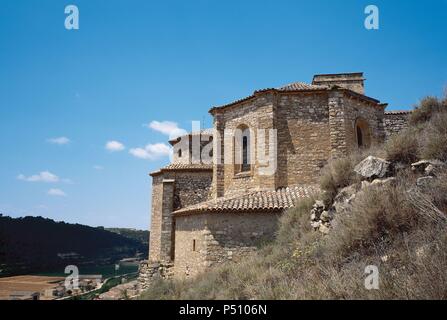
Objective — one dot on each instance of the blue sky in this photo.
(134, 62)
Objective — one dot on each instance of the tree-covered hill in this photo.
(139, 235)
(32, 244)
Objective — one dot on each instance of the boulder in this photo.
(315, 224)
(344, 198)
(319, 204)
(389, 180)
(373, 167)
(316, 210)
(346, 193)
(429, 167)
(325, 216)
(324, 229)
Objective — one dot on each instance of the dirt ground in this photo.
(26, 283)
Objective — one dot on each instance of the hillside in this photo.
(381, 209)
(35, 244)
(139, 235)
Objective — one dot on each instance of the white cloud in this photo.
(168, 128)
(114, 146)
(56, 193)
(151, 151)
(60, 140)
(44, 176)
(98, 167)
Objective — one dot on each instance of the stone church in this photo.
(214, 203)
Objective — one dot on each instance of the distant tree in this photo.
(34, 243)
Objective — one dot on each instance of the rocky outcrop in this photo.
(428, 167)
(373, 167)
(373, 172)
(320, 217)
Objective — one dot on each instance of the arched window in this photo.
(179, 153)
(242, 156)
(245, 150)
(359, 137)
(363, 134)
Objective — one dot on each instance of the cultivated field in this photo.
(26, 283)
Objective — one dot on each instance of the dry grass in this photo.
(403, 147)
(302, 264)
(339, 173)
(433, 140)
(426, 108)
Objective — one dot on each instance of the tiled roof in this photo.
(296, 87)
(398, 112)
(187, 166)
(278, 200)
(300, 86)
(184, 166)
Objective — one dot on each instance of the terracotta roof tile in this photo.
(298, 86)
(185, 167)
(280, 199)
(398, 112)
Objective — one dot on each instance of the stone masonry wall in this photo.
(208, 239)
(303, 140)
(151, 271)
(190, 154)
(373, 114)
(155, 234)
(256, 114)
(191, 187)
(337, 124)
(395, 122)
(303, 128)
(173, 190)
(167, 226)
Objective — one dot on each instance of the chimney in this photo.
(351, 81)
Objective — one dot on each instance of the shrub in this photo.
(338, 173)
(425, 110)
(377, 213)
(433, 140)
(403, 147)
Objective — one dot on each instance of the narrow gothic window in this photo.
(194, 245)
(245, 150)
(242, 156)
(359, 137)
(179, 153)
